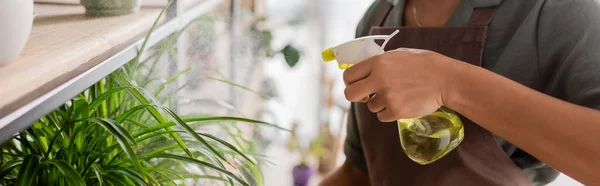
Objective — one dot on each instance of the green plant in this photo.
(101, 137)
(98, 8)
(265, 37)
(118, 132)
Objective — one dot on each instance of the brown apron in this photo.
(478, 161)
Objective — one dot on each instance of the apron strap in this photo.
(482, 16)
(383, 9)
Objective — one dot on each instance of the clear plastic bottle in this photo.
(429, 138)
(424, 139)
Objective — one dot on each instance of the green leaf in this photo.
(176, 75)
(79, 136)
(150, 81)
(151, 178)
(25, 144)
(265, 38)
(162, 173)
(157, 134)
(132, 111)
(112, 125)
(68, 171)
(8, 166)
(103, 106)
(163, 149)
(149, 78)
(205, 119)
(28, 171)
(153, 111)
(170, 80)
(61, 113)
(36, 140)
(143, 47)
(166, 178)
(237, 119)
(98, 172)
(257, 175)
(136, 123)
(193, 133)
(231, 182)
(53, 141)
(80, 108)
(201, 163)
(141, 139)
(209, 177)
(40, 136)
(104, 96)
(230, 146)
(10, 145)
(238, 85)
(115, 180)
(123, 138)
(167, 171)
(291, 55)
(137, 178)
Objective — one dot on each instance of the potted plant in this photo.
(265, 36)
(16, 19)
(302, 172)
(120, 132)
(101, 8)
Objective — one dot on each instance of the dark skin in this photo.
(410, 83)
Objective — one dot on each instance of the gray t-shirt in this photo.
(552, 46)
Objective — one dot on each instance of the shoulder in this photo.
(568, 45)
(582, 6)
(570, 24)
(551, 11)
(550, 22)
(568, 16)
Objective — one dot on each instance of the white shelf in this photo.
(68, 52)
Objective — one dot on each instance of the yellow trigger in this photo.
(344, 66)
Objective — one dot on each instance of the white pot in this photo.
(16, 19)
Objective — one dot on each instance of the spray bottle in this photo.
(424, 139)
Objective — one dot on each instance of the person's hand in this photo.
(407, 83)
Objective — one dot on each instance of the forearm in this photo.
(346, 175)
(563, 135)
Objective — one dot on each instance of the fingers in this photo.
(386, 115)
(357, 91)
(376, 104)
(357, 72)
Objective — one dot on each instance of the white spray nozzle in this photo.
(357, 50)
(389, 38)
